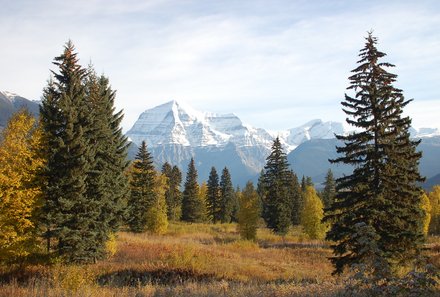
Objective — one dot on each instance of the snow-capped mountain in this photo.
(10, 103)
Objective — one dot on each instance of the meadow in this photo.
(193, 260)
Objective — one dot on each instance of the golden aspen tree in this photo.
(434, 199)
(249, 212)
(312, 214)
(425, 205)
(157, 219)
(19, 191)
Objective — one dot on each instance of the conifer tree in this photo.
(227, 197)
(329, 192)
(296, 196)
(70, 214)
(203, 193)
(143, 196)
(383, 191)
(20, 191)
(213, 197)
(192, 208)
(277, 204)
(312, 214)
(434, 199)
(173, 195)
(248, 213)
(236, 205)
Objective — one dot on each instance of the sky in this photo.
(275, 64)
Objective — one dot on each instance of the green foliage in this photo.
(312, 214)
(329, 192)
(173, 194)
(383, 191)
(213, 198)
(434, 198)
(249, 213)
(20, 192)
(142, 196)
(192, 205)
(297, 198)
(227, 197)
(274, 188)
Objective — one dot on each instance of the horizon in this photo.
(275, 66)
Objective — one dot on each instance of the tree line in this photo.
(65, 179)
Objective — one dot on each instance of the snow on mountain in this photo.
(424, 132)
(175, 123)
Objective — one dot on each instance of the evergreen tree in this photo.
(227, 197)
(312, 214)
(213, 197)
(248, 213)
(70, 214)
(383, 191)
(297, 199)
(434, 199)
(236, 204)
(192, 208)
(20, 192)
(173, 195)
(142, 196)
(329, 192)
(277, 205)
(203, 193)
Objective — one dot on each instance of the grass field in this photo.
(192, 260)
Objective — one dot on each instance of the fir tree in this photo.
(296, 196)
(192, 208)
(236, 204)
(213, 197)
(277, 204)
(142, 196)
(248, 213)
(70, 214)
(173, 195)
(383, 191)
(329, 192)
(227, 197)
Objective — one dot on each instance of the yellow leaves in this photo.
(157, 220)
(434, 199)
(19, 164)
(425, 205)
(312, 215)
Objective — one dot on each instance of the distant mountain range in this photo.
(175, 132)
(10, 103)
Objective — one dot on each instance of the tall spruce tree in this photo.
(70, 213)
(277, 203)
(143, 196)
(296, 196)
(329, 191)
(213, 197)
(382, 192)
(173, 195)
(227, 197)
(192, 208)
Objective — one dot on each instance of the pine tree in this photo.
(70, 214)
(213, 197)
(173, 195)
(434, 199)
(227, 197)
(277, 205)
(236, 205)
(192, 208)
(329, 192)
(20, 193)
(383, 191)
(248, 213)
(296, 196)
(142, 196)
(203, 193)
(312, 214)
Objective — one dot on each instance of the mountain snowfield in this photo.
(176, 123)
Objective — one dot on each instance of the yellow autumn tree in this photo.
(425, 205)
(434, 199)
(157, 220)
(312, 214)
(249, 212)
(203, 190)
(19, 192)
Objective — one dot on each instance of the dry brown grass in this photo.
(190, 260)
